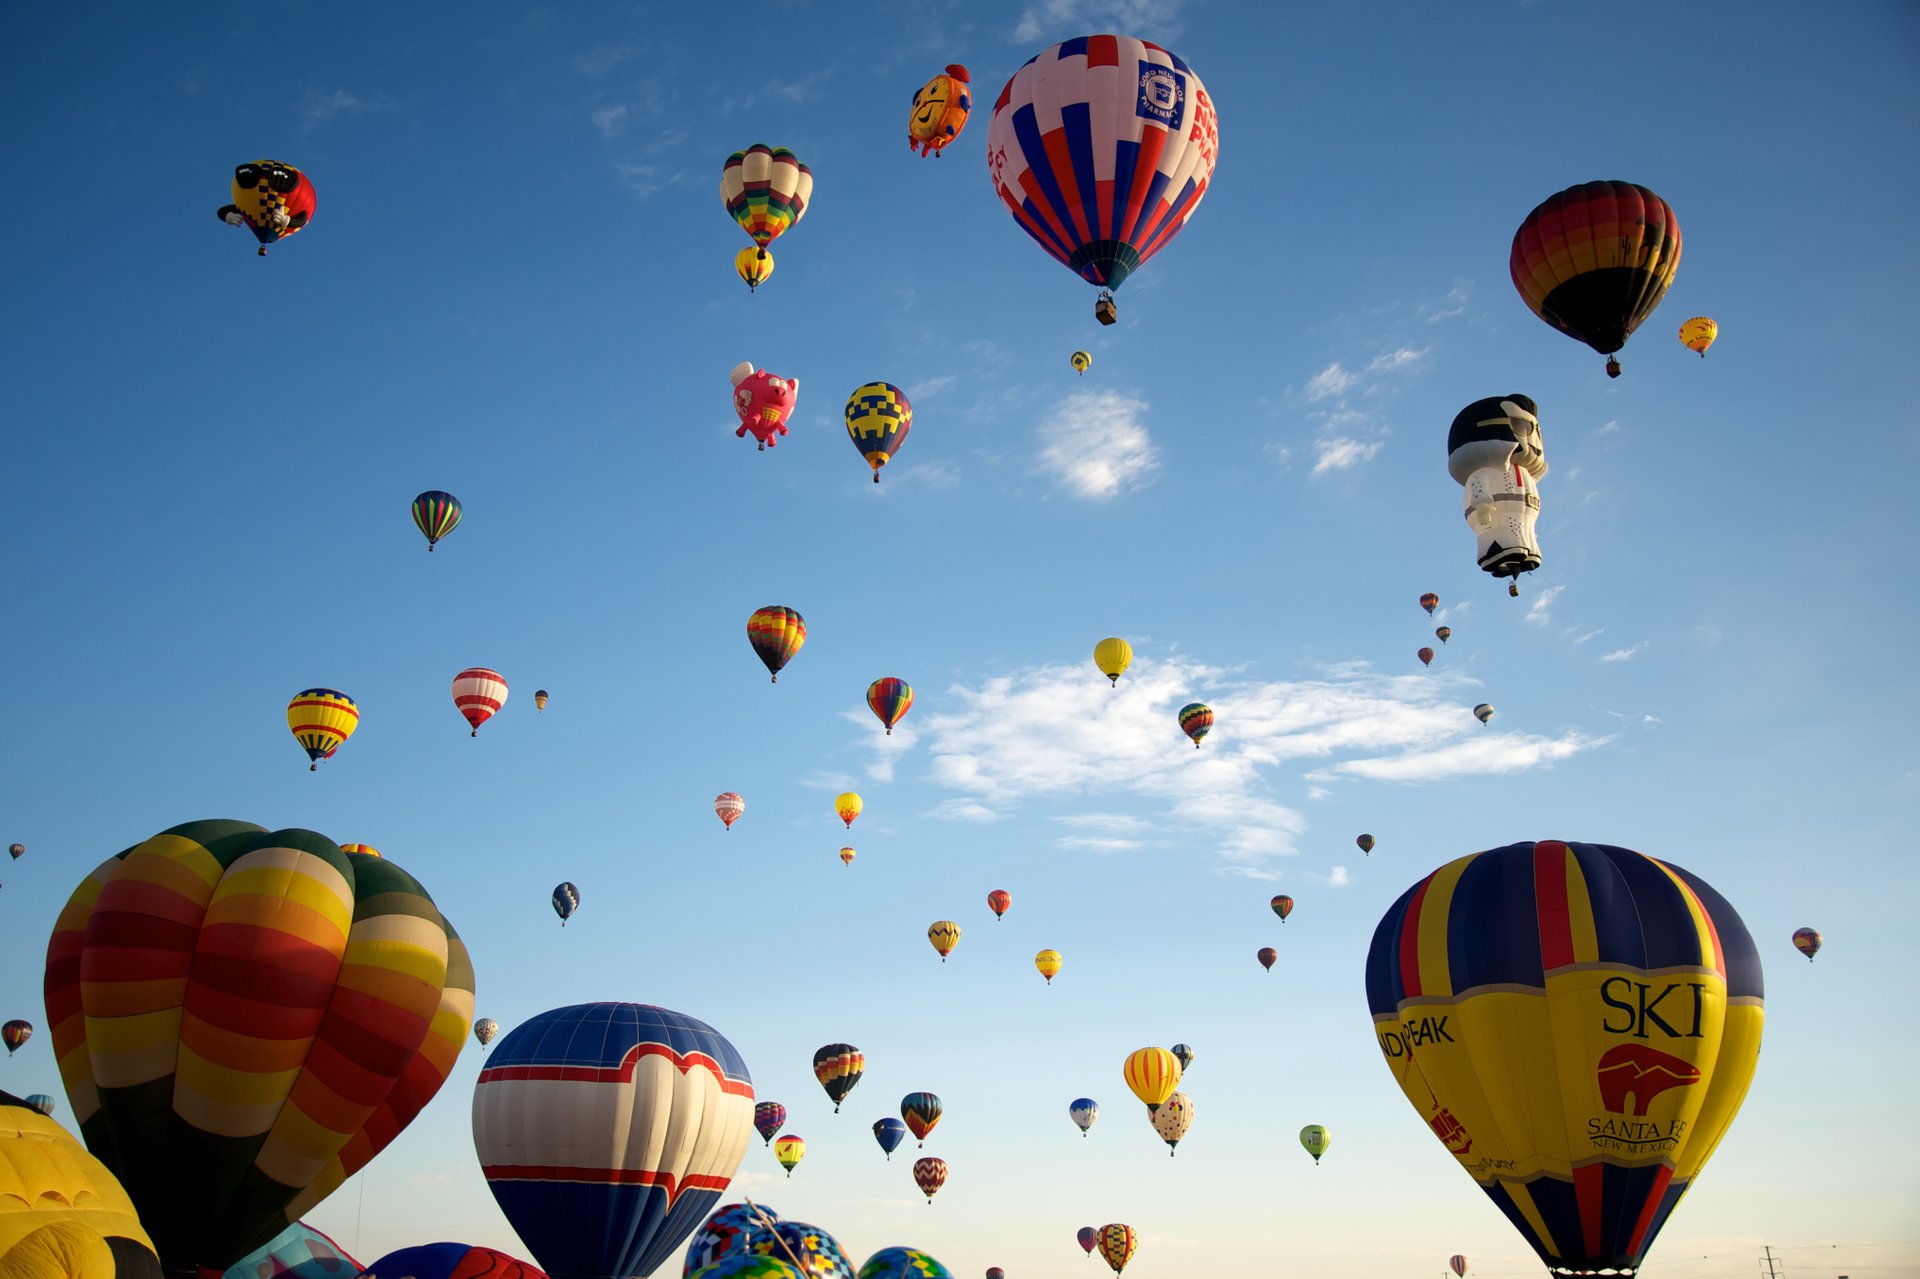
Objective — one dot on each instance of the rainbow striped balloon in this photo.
(766, 190)
(436, 514)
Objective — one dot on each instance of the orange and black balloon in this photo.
(1595, 260)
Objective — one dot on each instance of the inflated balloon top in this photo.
(452, 1261)
(940, 110)
(1582, 1069)
(729, 1232)
(478, 694)
(270, 199)
(1101, 148)
(763, 401)
(321, 720)
(1594, 261)
(878, 417)
(1698, 334)
(436, 513)
(319, 1001)
(63, 1214)
(776, 633)
(766, 190)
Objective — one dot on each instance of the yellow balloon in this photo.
(1153, 1074)
(1048, 962)
(320, 719)
(753, 266)
(1113, 656)
(1698, 334)
(1081, 362)
(945, 935)
(848, 806)
(58, 1204)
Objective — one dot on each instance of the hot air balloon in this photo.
(846, 857)
(1112, 656)
(1457, 1264)
(320, 719)
(750, 1265)
(940, 109)
(300, 1252)
(903, 1263)
(769, 1117)
(1084, 1111)
(590, 1196)
(945, 935)
(929, 1174)
(15, 1033)
(436, 514)
(318, 1001)
(1365, 843)
(63, 1215)
(1117, 1242)
(1089, 1238)
(1624, 1010)
(766, 190)
(776, 633)
(1196, 721)
(1429, 601)
(1495, 453)
(1483, 712)
(1443, 633)
(1152, 1074)
(1698, 334)
(847, 806)
(271, 199)
(878, 416)
(1184, 1055)
(453, 1261)
(728, 806)
(1807, 942)
(1426, 656)
(42, 1102)
(753, 266)
(995, 1272)
(763, 402)
(1594, 260)
(1315, 1140)
(1267, 956)
(478, 693)
(889, 1132)
(889, 699)
(1282, 906)
(566, 900)
(790, 1151)
(16, 851)
(1101, 148)
(1081, 362)
(366, 850)
(730, 1235)
(921, 1110)
(809, 1250)
(998, 900)
(1048, 962)
(539, 699)
(838, 1067)
(485, 1029)
(1173, 1119)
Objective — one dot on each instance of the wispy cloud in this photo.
(318, 107)
(1052, 732)
(1057, 19)
(1454, 303)
(1540, 609)
(1339, 453)
(1624, 654)
(1608, 427)
(1335, 379)
(611, 120)
(1347, 434)
(1335, 878)
(645, 180)
(1585, 636)
(1096, 443)
(597, 62)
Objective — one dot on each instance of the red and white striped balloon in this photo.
(478, 693)
(728, 807)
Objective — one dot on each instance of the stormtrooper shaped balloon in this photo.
(1495, 454)
(763, 402)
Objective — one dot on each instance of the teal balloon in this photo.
(893, 1263)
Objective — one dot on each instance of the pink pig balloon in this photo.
(763, 402)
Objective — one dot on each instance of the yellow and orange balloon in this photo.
(1698, 334)
(940, 109)
(1153, 1074)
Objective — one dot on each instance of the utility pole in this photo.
(1773, 1271)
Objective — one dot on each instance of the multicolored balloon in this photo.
(1315, 1140)
(940, 110)
(922, 1112)
(1443, 633)
(753, 266)
(889, 1132)
(453, 1261)
(1430, 601)
(1594, 261)
(998, 901)
(903, 1263)
(1117, 1242)
(367, 850)
(945, 935)
(889, 699)
(790, 1151)
(1267, 956)
(929, 1174)
(838, 1067)
(776, 633)
(878, 417)
(847, 806)
(1196, 721)
(1184, 1055)
(728, 1233)
(1152, 1074)
(769, 1117)
(1625, 1027)
(1112, 656)
(1173, 1119)
(318, 1001)
(1483, 712)
(1282, 906)
(436, 514)
(1084, 1111)
(1089, 1238)
(540, 699)
(271, 199)
(485, 1029)
(728, 806)
(566, 900)
(1048, 962)
(298, 1252)
(765, 189)
(1698, 334)
(749, 1265)
(320, 719)
(478, 693)
(1101, 148)
(555, 1160)
(846, 857)
(1364, 843)
(763, 401)
(1807, 942)
(808, 1249)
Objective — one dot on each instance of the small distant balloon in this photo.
(17, 851)
(763, 402)
(1196, 721)
(998, 900)
(1429, 601)
(929, 1174)
(753, 266)
(42, 1102)
(940, 110)
(922, 1111)
(271, 198)
(1152, 1074)
(1483, 712)
(878, 417)
(1365, 842)
(790, 1151)
(1089, 1239)
(1173, 1119)
(1282, 906)
(436, 514)
(1048, 962)
(1426, 656)
(1315, 1140)
(1184, 1055)
(566, 900)
(847, 806)
(485, 1029)
(889, 699)
(1081, 362)
(1117, 1242)
(945, 935)
(846, 857)
(1698, 334)
(889, 1132)
(1112, 656)
(1267, 956)
(1457, 1264)
(321, 720)
(1443, 633)
(769, 1117)
(728, 806)
(540, 699)
(15, 1033)
(365, 850)
(1084, 1111)
(1807, 942)
(838, 1067)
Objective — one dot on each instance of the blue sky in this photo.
(518, 287)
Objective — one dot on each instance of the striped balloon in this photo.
(320, 719)
(728, 806)
(929, 1174)
(365, 850)
(608, 1131)
(42, 1102)
(1117, 1242)
(1196, 721)
(769, 1117)
(790, 1151)
(776, 633)
(1594, 261)
(922, 1112)
(244, 1019)
(436, 514)
(1101, 148)
(478, 693)
(1152, 1074)
(766, 190)
(889, 699)
(838, 1067)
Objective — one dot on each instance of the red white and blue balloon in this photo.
(608, 1131)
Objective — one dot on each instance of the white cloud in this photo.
(1340, 453)
(1057, 19)
(646, 179)
(1624, 654)
(1056, 733)
(598, 62)
(962, 809)
(1332, 380)
(1540, 610)
(1404, 357)
(1454, 303)
(1583, 638)
(1335, 878)
(927, 387)
(611, 120)
(317, 108)
(1608, 427)
(1097, 445)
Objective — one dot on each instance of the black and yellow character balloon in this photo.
(271, 199)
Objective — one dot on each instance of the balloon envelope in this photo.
(889, 699)
(893, 1263)
(608, 1131)
(940, 110)
(945, 935)
(436, 514)
(1152, 1074)
(299, 1251)
(838, 1067)
(889, 1132)
(62, 1213)
(769, 1117)
(1698, 334)
(320, 719)
(929, 1174)
(766, 190)
(1048, 962)
(922, 1112)
(1282, 906)
(1595, 259)
(998, 901)
(451, 1261)
(1807, 941)
(1084, 1111)
(729, 1232)
(728, 806)
(1267, 956)
(1117, 1242)
(1196, 721)
(878, 417)
(485, 1029)
(1112, 656)
(776, 633)
(1315, 1139)
(478, 693)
